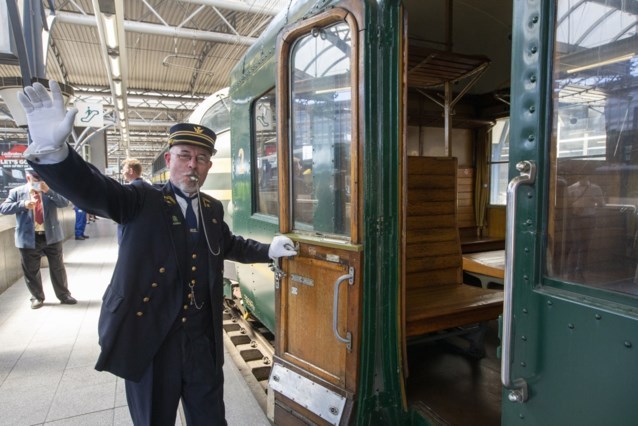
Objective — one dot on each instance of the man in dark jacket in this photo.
(160, 327)
(38, 233)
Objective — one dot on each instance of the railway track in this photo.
(250, 345)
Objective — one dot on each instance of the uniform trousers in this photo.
(182, 368)
(30, 259)
(582, 229)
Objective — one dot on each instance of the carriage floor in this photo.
(452, 387)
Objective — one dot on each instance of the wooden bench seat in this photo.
(435, 297)
(436, 308)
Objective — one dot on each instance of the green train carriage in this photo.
(355, 129)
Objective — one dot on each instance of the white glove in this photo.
(49, 122)
(281, 246)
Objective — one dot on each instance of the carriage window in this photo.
(265, 148)
(593, 225)
(499, 161)
(321, 131)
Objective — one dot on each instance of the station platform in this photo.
(47, 355)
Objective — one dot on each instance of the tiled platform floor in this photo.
(47, 355)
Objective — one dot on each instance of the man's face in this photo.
(32, 178)
(35, 181)
(128, 173)
(186, 162)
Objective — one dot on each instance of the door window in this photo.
(265, 148)
(321, 131)
(593, 227)
(499, 161)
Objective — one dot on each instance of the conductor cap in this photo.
(192, 134)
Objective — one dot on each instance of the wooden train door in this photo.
(314, 376)
(570, 328)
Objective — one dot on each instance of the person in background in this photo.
(38, 233)
(160, 325)
(132, 170)
(80, 223)
(132, 174)
(585, 199)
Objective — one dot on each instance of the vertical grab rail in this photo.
(518, 387)
(335, 309)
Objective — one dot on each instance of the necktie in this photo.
(38, 213)
(191, 219)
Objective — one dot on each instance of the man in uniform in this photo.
(585, 200)
(160, 327)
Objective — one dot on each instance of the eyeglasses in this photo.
(201, 159)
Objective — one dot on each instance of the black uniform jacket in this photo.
(144, 297)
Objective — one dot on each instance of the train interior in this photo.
(457, 99)
(458, 76)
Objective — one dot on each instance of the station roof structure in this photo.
(160, 58)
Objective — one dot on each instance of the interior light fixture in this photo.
(115, 66)
(602, 63)
(110, 29)
(120, 104)
(118, 88)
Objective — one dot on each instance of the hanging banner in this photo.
(12, 166)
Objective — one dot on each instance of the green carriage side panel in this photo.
(256, 282)
(574, 346)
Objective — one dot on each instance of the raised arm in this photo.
(49, 123)
(61, 167)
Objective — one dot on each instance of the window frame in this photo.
(285, 44)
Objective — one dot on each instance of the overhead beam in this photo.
(159, 30)
(266, 9)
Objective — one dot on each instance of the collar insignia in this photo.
(169, 200)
